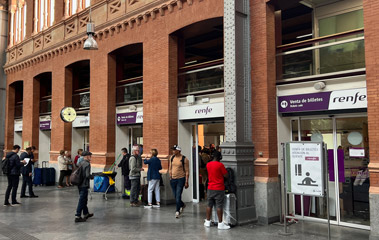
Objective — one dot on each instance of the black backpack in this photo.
(183, 159)
(230, 186)
(5, 166)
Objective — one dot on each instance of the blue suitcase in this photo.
(48, 175)
(37, 180)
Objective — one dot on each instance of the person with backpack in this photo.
(83, 186)
(135, 166)
(27, 172)
(179, 174)
(11, 167)
(154, 179)
(124, 165)
(216, 190)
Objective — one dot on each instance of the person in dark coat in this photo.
(13, 175)
(27, 171)
(154, 177)
(124, 165)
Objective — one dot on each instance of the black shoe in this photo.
(24, 196)
(34, 196)
(15, 204)
(80, 219)
(7, 204)
(88, 215)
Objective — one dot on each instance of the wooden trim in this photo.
(318, 39)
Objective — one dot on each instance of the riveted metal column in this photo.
(238, 148)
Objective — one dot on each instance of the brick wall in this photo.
(263, 86)
(371, 25)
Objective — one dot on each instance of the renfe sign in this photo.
(336, 100)
(129, 118)
(214, 110)
(45, 125)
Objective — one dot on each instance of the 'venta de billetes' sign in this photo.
(45, 125)
(336, 100)
(213, 110)
(129, 118)
(304, 166)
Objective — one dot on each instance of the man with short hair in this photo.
(216, 190)
(179, 174)
(85, 166)
(27, 171)
(135, 166)
(13, 175)
(124, 165)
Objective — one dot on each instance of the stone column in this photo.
(29, 19)
(102, 109)
(237, 150)
(264, 122)
(12, 10)
(371, 24)
(61, 10)
(30, 113)
(61, 132)
(35, 19)
(3, 82)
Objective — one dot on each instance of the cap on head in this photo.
(86, 153)
(176, 147)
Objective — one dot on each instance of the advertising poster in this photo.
(305, 168)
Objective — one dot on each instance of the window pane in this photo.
(130, 92)
(341, 23)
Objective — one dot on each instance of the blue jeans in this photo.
(177, 186)
(82, 204)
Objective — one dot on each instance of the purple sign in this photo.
(126, 118)
(45, 125)
(341, 165)
(341, 99)
(304, 102)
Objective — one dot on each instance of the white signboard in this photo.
(81, 121)
(213, 110)
(357, 152)
(18, 126)
(348, 99)
(305, 168)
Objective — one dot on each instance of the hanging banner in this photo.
(304, 165)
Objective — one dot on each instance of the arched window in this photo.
(75, 6)
(43, 14)
(17, 23)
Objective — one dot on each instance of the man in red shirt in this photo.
(216, 190)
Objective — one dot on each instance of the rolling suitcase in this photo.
(145, 192)
(230, 211)
(48, 175)
(37, 179)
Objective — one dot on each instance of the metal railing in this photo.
(129, 92)
(202, 77)
(337, 53)
(45, 106)
(18, 111)
(81, 101)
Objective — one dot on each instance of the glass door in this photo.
(348, 158)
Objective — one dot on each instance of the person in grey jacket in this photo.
(85, 166)
(135, 166)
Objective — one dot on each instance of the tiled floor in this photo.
(51, 216)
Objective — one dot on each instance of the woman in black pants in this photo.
(62, 163)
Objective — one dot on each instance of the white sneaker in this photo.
(177, 215)
(157, 206)
(207, 223)
(223, 226)
(148, 206)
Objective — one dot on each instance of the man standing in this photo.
(27, 171)
(135, 166)
(179, 173)
(13, 175)
(85, 166)
(216, 190)
(124, 165)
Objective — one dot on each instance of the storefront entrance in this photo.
(348, 158)
(205, 139)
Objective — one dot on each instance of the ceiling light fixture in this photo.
(90, 43)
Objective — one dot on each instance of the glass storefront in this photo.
(347, 149)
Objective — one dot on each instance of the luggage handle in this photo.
(44, 164)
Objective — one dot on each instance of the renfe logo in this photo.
(354, 98)
(204, 110)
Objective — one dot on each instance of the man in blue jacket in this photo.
(13, 175)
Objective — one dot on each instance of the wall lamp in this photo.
(90, 43)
